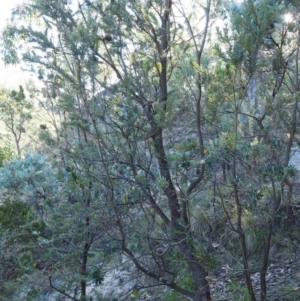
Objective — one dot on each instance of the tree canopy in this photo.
(165, 148)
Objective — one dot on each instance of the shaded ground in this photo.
(283, 280)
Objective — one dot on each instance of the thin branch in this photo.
(60, 291)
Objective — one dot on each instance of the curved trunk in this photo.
(178, 232)
(199, 274)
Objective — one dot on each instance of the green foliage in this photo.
(161, 182)
(46, 137)
(33, 295)
(239, 293)
(156, 142)
(97, 276)
(186, 282)
(15, 112)
(28, 174)
(277, 172)
(250, 26)
(14, 214)
(6, 153)
(208, 261)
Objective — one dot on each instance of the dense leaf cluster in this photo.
(167, 149)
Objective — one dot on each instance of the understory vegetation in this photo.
(155, 155)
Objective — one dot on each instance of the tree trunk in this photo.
(178, 232)
(264, 268)
(83, 271)
(199, 274)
